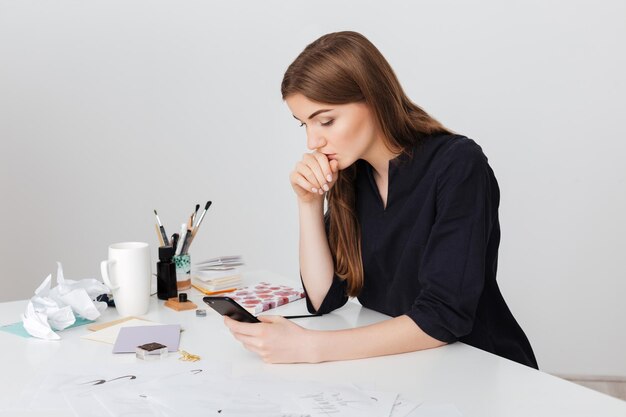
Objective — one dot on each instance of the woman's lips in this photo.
(331, 155)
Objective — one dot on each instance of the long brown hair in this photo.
(341, 68)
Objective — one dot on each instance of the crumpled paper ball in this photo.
(56, 308)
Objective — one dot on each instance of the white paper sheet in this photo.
(403, 406)
(172, 388)
(436, 410)
(346, 402)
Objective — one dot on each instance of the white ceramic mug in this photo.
(127, 273)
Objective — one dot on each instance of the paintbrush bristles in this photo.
(158, 220)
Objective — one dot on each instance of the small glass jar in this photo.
(183, 271)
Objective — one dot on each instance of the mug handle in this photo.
(104, 270)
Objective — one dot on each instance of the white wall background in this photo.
(110, 109)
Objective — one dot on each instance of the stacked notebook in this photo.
(217, 275)
(264, 296)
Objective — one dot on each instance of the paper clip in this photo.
(188, 357)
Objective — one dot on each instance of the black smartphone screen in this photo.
(226, 306)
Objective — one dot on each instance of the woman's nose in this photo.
(314, 141)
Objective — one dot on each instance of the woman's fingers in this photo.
(323, 170)
(314, 162)
(275, 340)
(271, 318)
(308, 171)
(314, 175)
(301, 181)
(334, 167)
(237, 327)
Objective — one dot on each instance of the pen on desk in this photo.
(162, 229)
(303, 316)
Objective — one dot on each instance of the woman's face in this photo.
(343, 132)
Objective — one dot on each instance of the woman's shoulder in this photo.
(446, 156)
(452, 145)
(446, 149)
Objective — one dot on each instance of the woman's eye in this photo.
(301, 124)
(328, 123)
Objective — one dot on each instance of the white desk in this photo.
(479, 384)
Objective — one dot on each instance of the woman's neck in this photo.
(378, 157)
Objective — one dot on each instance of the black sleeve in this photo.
(337, 293)
(452, 272)
(335, 297)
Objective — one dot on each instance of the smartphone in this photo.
(226, 306)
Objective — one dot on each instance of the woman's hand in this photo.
(313, 176)
(275, 339)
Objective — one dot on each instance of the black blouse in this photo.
(432, 252)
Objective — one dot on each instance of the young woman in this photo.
(411, 227)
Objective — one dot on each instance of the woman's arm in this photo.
(396, 335)
(277, 340)
(316, 262)
(313, 176)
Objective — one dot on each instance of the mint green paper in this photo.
(18, 328)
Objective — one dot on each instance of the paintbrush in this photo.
(162, 229)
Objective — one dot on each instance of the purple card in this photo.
(131, 337)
